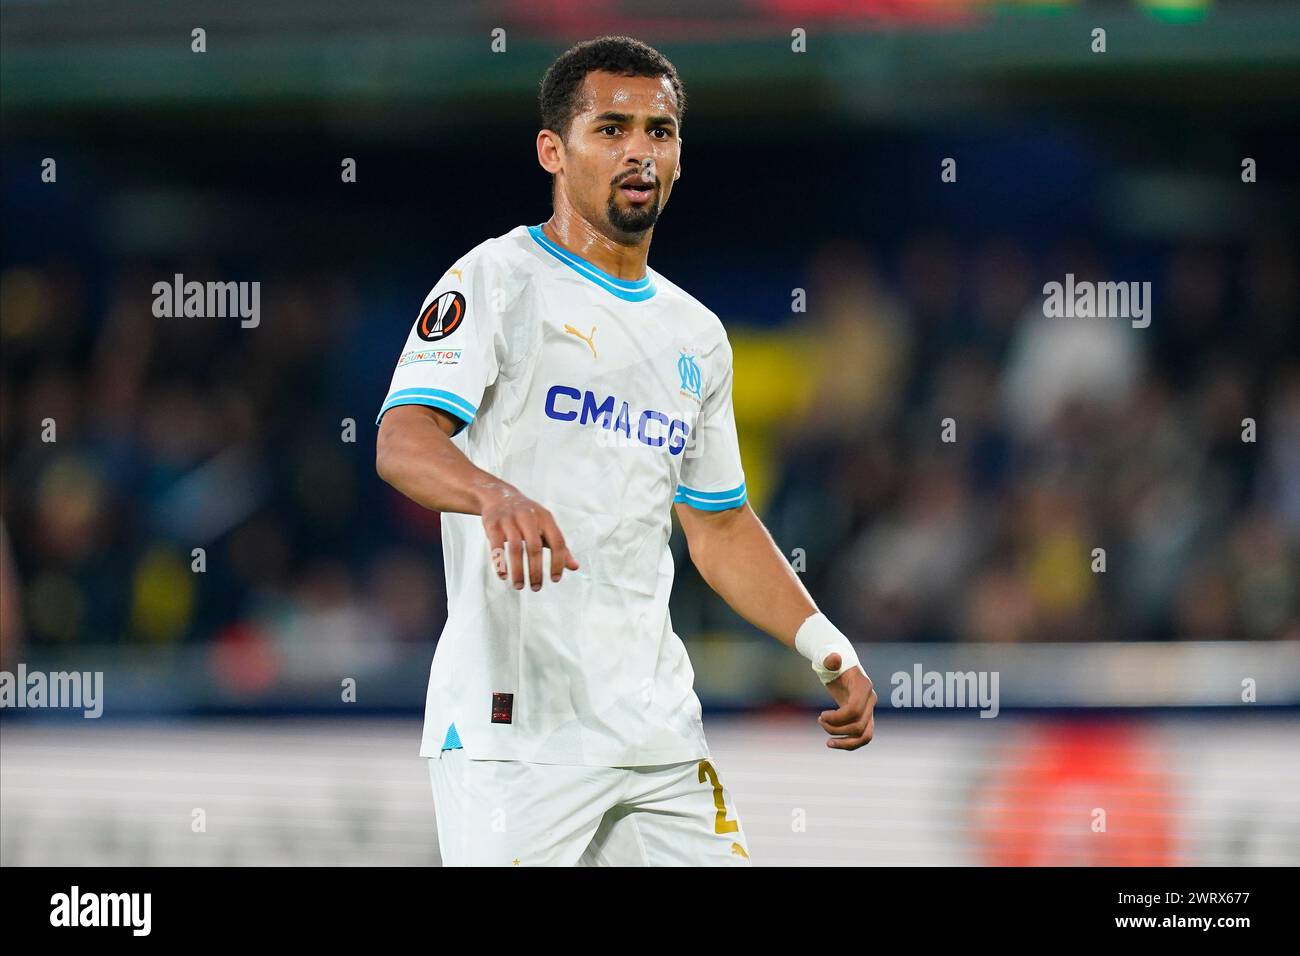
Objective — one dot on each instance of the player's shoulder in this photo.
(490, 276)
(500, 255)
(703, 321)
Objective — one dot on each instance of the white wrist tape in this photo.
(816, 638)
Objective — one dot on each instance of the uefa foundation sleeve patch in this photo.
(503, 706)
(454, 350)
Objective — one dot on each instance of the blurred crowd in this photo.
(171, 481)
(1097, 482)
(939, 460)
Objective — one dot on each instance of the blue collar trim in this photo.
(632, 291)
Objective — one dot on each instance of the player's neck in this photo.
(580, 237)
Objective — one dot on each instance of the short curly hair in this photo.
(622, 56)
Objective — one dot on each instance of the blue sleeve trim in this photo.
(452, 740)
(434, 398)
(711, 500)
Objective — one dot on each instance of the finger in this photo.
(496, 550)
(852, 715)
(850, 729)
(515, 552)
(860, 734)
(531, 528)
(535, 561)
(561, 557)
(570, 560)
(856, 704)
(832, 662)
(850, 711)
(855, 741)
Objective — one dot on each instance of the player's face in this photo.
(622, 122)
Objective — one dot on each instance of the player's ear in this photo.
(550, 151)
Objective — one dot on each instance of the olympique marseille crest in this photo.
(689, 372)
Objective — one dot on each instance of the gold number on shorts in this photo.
(721, 824)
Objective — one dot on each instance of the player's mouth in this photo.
(637, 190)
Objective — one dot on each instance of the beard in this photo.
(632, 219)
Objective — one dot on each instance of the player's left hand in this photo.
(852, 725)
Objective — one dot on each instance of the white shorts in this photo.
(516, 813)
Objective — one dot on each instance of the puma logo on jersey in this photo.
(586, 338)
(738, 850)
(456, 273)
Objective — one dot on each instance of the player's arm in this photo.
(454, 353)
(736, 556)
(414, 453)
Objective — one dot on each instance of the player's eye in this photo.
(665, 130)
(603, 128)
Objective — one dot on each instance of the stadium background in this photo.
(816, 171)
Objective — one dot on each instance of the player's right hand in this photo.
(516, 524)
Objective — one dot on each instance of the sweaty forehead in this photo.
(628, 94)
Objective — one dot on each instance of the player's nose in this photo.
(640, 147)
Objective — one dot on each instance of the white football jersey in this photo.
(604, 400)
